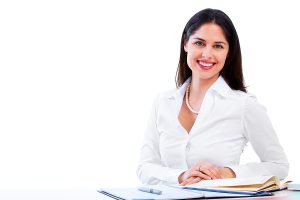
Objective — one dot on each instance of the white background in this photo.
(78, 78)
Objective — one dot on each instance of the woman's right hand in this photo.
(202, 170)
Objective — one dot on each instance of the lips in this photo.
(205, 65)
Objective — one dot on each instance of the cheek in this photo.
(190, 56)
(222, 57)
(192, 53)
(189, 60)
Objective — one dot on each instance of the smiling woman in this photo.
(199, 130)
(207, 51)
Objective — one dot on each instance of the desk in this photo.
(94, 195)
(51, 195)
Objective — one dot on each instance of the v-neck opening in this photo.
(177, 117)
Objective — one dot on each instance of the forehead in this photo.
(210, 32)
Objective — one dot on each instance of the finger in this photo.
(217, 172)
(200, 175)
(208, 172)
(195, 180)
(213, 172)
(186, 181)
(191, 180)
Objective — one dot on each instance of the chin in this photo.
(205, 76)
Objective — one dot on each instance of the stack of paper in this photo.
(252, 184)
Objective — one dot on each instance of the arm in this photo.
(259, 131)
(150, 169)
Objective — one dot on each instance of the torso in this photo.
(215, 135)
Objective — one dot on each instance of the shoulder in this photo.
(247, 101)
(250, 103)
(242, 96)
(164, 97)
(167, 94)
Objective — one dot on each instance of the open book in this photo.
(252, 184)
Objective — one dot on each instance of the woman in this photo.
(198, 131)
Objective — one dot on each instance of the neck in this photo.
(199, 87)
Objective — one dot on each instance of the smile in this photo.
(205, 65)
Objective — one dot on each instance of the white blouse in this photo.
(227, 120)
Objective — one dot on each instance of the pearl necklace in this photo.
(187, 94)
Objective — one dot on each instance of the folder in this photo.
(249, 184)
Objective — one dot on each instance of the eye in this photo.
(218, 46)
(199, 43)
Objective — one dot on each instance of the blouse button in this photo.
(188, 147)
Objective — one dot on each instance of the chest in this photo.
(216, 134)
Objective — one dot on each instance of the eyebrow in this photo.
(218, 42)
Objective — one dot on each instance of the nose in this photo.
(206, 53)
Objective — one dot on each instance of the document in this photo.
(251, 184)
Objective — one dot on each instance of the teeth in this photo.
(205, 64)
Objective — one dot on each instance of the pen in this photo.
(149, 190)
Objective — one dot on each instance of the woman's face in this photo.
(207, 50)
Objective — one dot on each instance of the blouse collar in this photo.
(219, 86)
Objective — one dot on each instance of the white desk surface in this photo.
(51, 195)
(94, 195)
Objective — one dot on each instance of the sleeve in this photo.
(150, 168)
(260, 133)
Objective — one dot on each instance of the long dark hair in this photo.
(232, 71)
